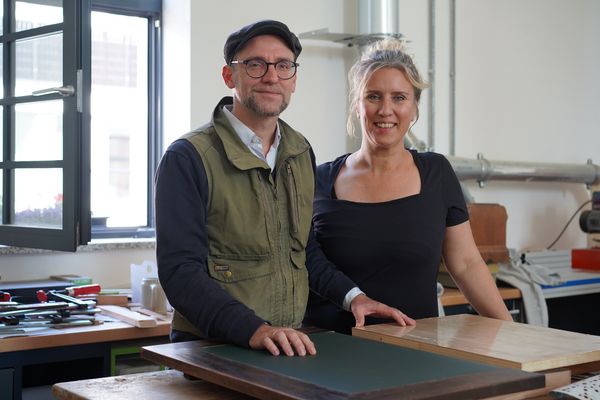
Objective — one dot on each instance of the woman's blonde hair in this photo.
(387, 53)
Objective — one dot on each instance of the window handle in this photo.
(65, 91)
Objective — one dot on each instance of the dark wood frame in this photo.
(192, 359)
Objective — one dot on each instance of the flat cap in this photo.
(237, 40)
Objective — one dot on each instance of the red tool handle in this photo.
(4, 296)
(41, 296)
(84, 289)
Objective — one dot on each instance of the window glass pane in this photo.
(119, 125)
(38, 197)
(38, 131)
(35, 13)
(1, 67)
(38, 63)
(1, 202)
(1, 137)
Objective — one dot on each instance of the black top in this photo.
(392, 250)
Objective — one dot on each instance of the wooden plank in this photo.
(112, 299)
(554, 379)
(131, 317)
(500, 343)
(345, 367)
(453, 297)
(161, 385)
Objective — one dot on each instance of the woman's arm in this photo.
(471, 274)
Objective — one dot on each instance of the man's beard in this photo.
(251, 104)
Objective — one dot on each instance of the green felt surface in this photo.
(350, 364)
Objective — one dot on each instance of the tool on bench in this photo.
(4, 296)
(68, 311)
(70, 291)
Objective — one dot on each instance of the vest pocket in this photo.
(249, 279)
(238, 268)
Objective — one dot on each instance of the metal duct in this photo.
(483, 170)
(378, 16)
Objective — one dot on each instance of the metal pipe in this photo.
(483, 170)
(431, 77)
(452, 83)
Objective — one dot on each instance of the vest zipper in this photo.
(293, 209)
(265, 200)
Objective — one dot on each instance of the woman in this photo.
(386, 215)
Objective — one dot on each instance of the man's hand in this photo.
(363, 306)
(290, 341)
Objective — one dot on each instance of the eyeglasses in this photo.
(257, 68)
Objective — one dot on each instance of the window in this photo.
(79, 113)
(124, 120)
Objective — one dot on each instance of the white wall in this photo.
(527, 90)
(108, 268)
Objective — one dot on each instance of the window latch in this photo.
(64, 91)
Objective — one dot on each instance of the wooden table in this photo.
(23, 358)
(107, 332)
(501, 343)
(453, 297)
(169, 384)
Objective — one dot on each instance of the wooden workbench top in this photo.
(492, 341)
(109, 331)
(453, 297)
(161, 385)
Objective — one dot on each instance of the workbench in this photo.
(454, 302)
(47, 356)
(169, 384)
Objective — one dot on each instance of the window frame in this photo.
(76, 27)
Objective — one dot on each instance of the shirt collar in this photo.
(246, 134)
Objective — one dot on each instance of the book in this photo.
(74, 280)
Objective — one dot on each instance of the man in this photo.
(234, 210)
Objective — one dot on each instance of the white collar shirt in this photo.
(253, 142)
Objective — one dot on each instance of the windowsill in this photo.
(93, 246)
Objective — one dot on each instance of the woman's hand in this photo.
(363, 306)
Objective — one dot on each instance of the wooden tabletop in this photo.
(492, 341)
(160, 385)
(453, 297)
(109, 331)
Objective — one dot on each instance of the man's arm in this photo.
(182, 248)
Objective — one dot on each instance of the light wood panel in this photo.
(128, 316)
(491, 341)
(453, 297)
(161, 385)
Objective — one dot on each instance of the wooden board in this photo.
(345, 367)
(131, 317)
(500, 343)
(554, 379)
(163, 385)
